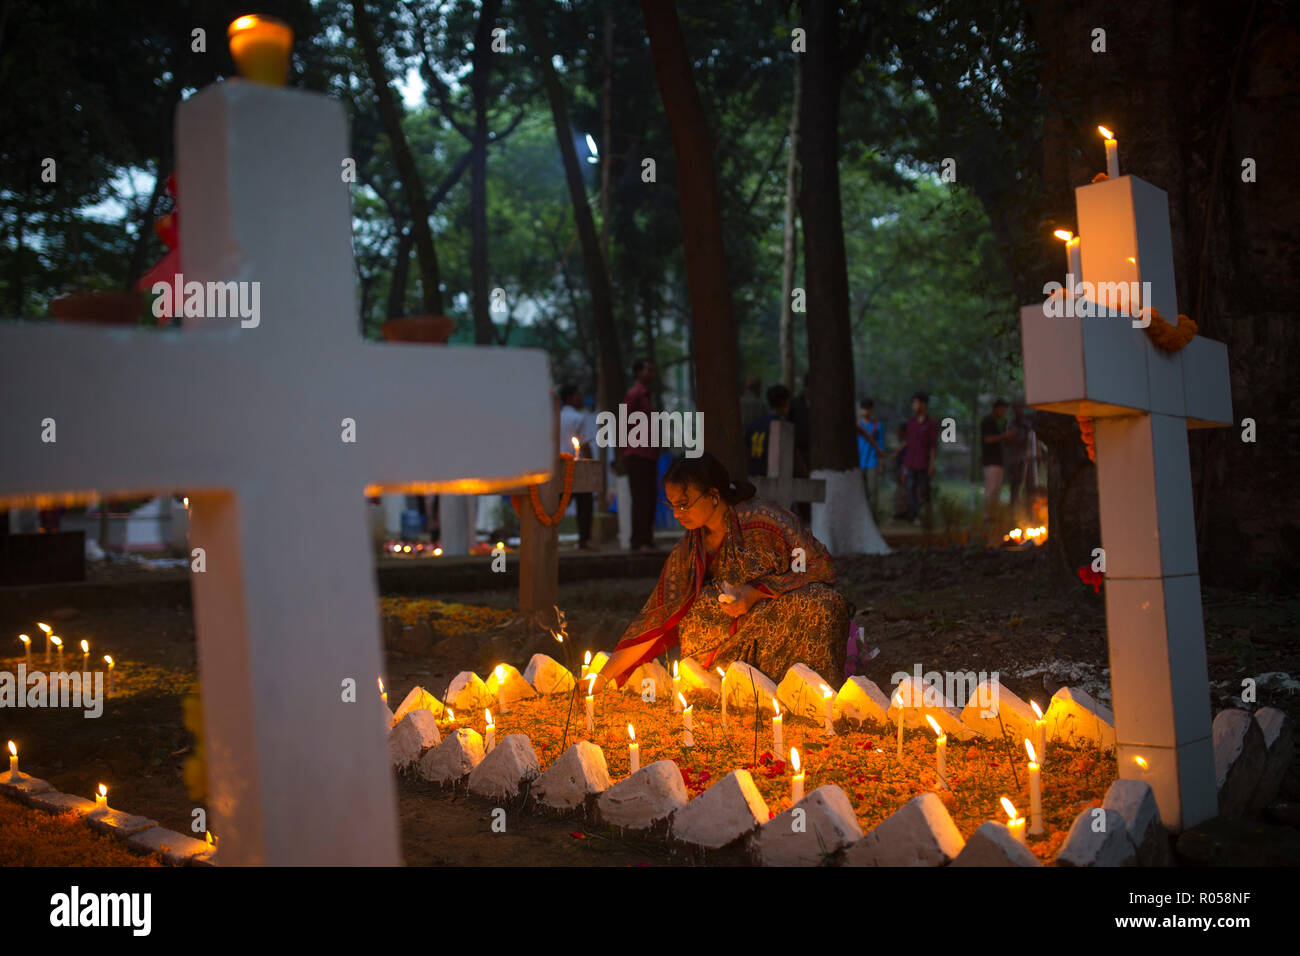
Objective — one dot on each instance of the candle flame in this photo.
(109, 659)
(211, 840)
(44, 627)
(631, 732)
(381, 684)
(1033, 757)
(103, 790)
(244, 22)
(827, 692)
(85, 647)
(24, 638)
(794, 759)
(1141, 762)
(13, 750)
(501, 545)
(437, 552)
(451, 715)
(776, 709)
(1105, 132)
(487, 715)
(576, 446)
(682, 698)
(586, 659)
(1008, 806)
(938, 732)
(898, 699)
(1065, 235)
(674, 670)
(56, 641)
(721, 672)
(558, 636)
(591, 683)
(501, 673)
(1037, 710)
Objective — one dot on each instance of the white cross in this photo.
(780, 485)
(1143, 399)
(248, 422)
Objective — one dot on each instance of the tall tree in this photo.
(788, 254)
(610, 384)
(408, 172)
(713, 324)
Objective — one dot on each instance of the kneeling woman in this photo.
(745, 547)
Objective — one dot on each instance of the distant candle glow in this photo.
(260, 46)
(576, 446)
(44, 627)
(1141, 762)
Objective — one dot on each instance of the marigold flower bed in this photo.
(863, 762)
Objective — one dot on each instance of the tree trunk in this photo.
(791, 229)
(484, 333)
(712, 320)
(411, 183)
(606, 133)
(401, 269)
(830, 339)
(610, 386)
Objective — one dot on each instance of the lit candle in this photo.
(723, 692)
(633, 750)
(778, 743)
(1040, 733)
(13, 760)
(576, 447)
(58, 645)
(85, 655)
(501, 687)
(109, 661)
(1112, 154)
(591, 703)
(101, 798)
(586, 665)
(451, 718)
(491, 732)
(27, 647)
(46, 628)
(259, 45)
(796, 782)
(1073, 259)
(1035, 792)
(677, 691)
(1016, 824)
(940, 746)
(898, 702)
(688, 739)
(383, 694)
(828, 695)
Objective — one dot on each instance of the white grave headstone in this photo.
(276, 431)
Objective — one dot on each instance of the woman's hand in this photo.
(746, 596)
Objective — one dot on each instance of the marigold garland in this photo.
(543, 518)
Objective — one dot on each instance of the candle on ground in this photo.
(491, 732)
(1112, 153)
(796, 782)
(451, 719)
(778, 742)
(688, 739)
(27, 648)
(898, 702)
(101, 798)
(383, 694)
(501, 687)
(1073, 259)
(13, 759)
(1016, 824)
(586, 665)
(633, 750)
(723, 692)
(1035, 792)
(58, 645)
(591, 704)
(109, 660)
(940, 746)
(677, 691)
(47, 629)
(85, 655)
(828, 695)
(1040, 733)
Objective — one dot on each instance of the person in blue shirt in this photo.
(871, 450)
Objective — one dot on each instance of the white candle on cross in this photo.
(796, 781)
(1035, 792)
(633, 750)
(828, 696)
(1112, 153)
(1015, 823)
(778, 742)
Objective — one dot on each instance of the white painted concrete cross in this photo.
(781, 485)
(251, 422)
(1143, 400)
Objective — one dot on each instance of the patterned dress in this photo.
(804, 620)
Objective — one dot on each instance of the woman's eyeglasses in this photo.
(684, 507)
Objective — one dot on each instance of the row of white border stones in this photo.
(822, 828)
(139, 833)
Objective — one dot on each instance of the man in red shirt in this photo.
(643, 462)
(918, 455)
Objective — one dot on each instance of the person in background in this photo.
(756, 432)
(871, 451)
(575, 423)
(900, 474)
(801, 415)
(1020, 458)
(993, 437)
(751, 401)
(919, 455)
(642, 463)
